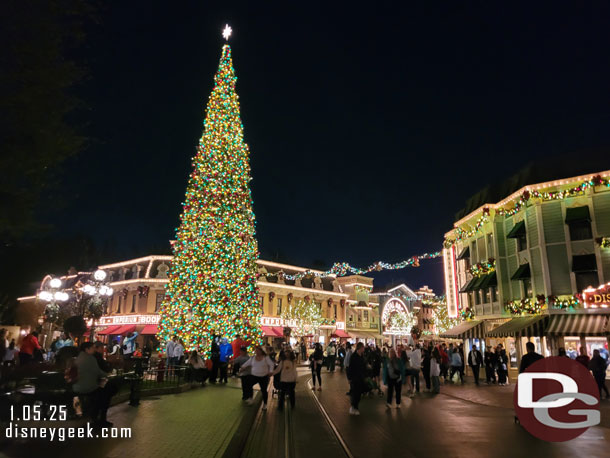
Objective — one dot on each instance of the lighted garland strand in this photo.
(341, 269)
(462, 234)
(533, 306)
(603, 242)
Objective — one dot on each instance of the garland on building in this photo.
(527, 306)
(522, 201)
(467, 314)
(533, 306)
(603, 242)
(483, 268)
(340, 269)
(212, 283)
(442, 321)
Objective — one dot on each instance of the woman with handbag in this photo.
(393, 375)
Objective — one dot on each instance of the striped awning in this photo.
(578, 325)
(465, 330)
(523, 326)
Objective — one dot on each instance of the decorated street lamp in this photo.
(54, 296)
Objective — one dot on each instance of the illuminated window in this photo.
(279, 307)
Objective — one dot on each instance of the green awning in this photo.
(522, 272)
(477, 284)
(467, 287)
(464, 254)
(489, 281)
(584, 263)
(577, 214)
(517, 231)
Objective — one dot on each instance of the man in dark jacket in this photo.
(475, 360)
(357, 374)
(490, 366)
(530, 357)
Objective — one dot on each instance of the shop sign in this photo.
(396, 318)
(128, 319)
(597, 297)
(278, 321)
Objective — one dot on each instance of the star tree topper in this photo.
(226, 33)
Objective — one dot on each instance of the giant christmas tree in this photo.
(212, 283)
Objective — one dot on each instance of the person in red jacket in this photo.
(236, 345)
(29, 345)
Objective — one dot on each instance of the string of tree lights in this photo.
(212, 285)
(521, 203)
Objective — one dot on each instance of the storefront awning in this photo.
(468, 286)
(124, 329)
(149, 330)
(489, 281)
(364, 335)
(477, 285)
(584, 263)
(272, 331)
(577, 214)
(522, 272)
(517, 231)
(465, 330)
(109, 330)
(464, 254)
(523, 326)
(578, 325)
(340, 334)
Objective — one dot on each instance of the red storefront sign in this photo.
(597, 297)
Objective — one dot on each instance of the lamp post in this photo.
(99, 290)
(54, 296)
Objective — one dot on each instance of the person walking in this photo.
(288, 378)
(331, 354)
(502, 365)
(9, 354)
(490, 366)
(435, 370)
(303, 349)
(456, 365)
(316, 360)
(416, 360)
(357, 374)
(475, 360)
(530, 357)
(169, 353)
(393, 375)
(29, 345)
(341, 356)
(346, 360)
(129, 345)
(427, 354)
(226, 353)
(583, 358)
(598, 366)
(463, 358)
(445, 360)
(261, 367)
(215, 357)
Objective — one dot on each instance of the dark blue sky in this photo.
(369, 126)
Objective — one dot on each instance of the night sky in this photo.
(368, 126)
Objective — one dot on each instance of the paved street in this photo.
(212, 421)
